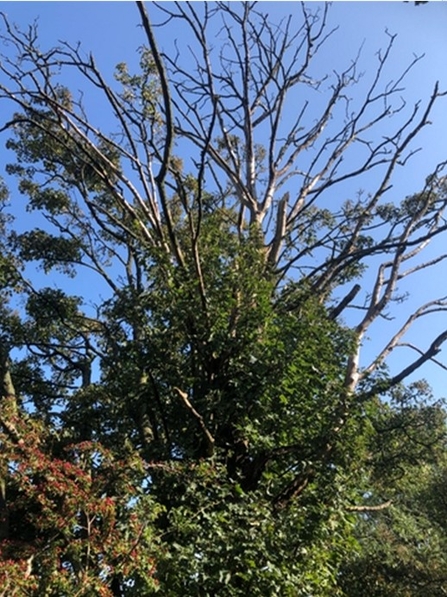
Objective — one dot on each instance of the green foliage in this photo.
(38, 245)
(403, 546)
(219, 452)
(265, 382)
(143, 88)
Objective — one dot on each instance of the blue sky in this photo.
(111, 31)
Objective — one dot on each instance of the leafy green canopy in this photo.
(218, 445)
(232, 406)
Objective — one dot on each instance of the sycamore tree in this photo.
(199, 420)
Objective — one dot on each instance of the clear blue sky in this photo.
(111, 31)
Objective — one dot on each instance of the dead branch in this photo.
(208, 436)
(376, 508)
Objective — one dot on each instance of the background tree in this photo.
(211, 403)
(403, 544)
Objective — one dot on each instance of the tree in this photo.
(208, 427)
(403, 544)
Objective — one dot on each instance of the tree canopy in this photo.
(196, 417)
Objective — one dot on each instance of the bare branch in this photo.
(376, 508)
(208, 437)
